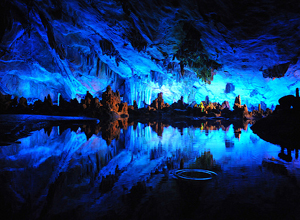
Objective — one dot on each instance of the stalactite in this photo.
(102, 67)
(98, 66)
(181, 68)
(105, 69)
(137, 90)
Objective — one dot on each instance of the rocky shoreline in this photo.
(282, 126)
(111, 108)
(110, 114)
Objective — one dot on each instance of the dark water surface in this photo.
(94, 173)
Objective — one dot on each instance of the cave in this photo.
(105, 104)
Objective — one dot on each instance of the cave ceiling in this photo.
(190, 48)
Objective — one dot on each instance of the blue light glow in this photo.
(32, 68)
(248, 148)
(41, 159)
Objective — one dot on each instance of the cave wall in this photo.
(146, 47)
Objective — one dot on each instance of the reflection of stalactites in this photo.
(245, 125)
(276, 166)
(98, 162)
(108, 181)
(237, 133)
(158, 128)
(156, 153)
(55, 193)
(123, 123)
(229, 144)
(205, 161)
(287, 157)
(108, 157)
(91, 129)
(88, 132)
(202, 126)
(181, 131)
(211, 125)
(159, 147)
(206, 132)
(225, 128)
(48, 130)
(181, 68)
(62, 129)
(110, 132)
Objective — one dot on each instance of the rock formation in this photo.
(281, 126)
(183, 53)
(158, 103)
(5, 103)
(111, 100)
(109, 108)
(225, 104)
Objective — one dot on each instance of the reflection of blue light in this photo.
(72, 149)
(192, 141)
(26, 117)
(138, 153)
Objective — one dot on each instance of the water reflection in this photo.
(103, 167)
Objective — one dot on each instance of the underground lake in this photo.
(85, 170)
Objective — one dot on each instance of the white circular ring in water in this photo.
(180, 174)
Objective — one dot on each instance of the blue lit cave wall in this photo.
(213, 48)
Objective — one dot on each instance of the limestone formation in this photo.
(111, 100)
(23, 102)
(180, 104)
(48, 101)
(5, 103)
(225, 104)
(281, 126)
(135, 106)
(289, 101)
(238, 100)
(158, 103)
(111, 108)
(286, 102)
(123, 108)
